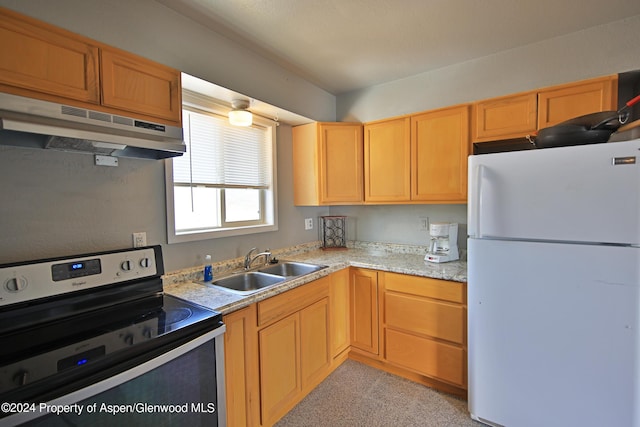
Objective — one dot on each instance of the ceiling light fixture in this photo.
(240, 116)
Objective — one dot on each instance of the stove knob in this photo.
(15, 284)
(21, 377)
(126, 265)
(146, 332)
(128, 339)
(145, 263)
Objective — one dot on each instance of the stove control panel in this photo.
(40, 279)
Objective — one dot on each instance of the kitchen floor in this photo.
(359, 395)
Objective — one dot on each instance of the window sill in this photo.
(214, 234)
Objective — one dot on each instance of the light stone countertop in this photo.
(373, 257)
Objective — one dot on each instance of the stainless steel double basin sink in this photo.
(248, 282)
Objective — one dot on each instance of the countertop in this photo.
(404, 263)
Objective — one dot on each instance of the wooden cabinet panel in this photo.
(134, 84)
(426, 356)
(504, 117)
(291, 301)
(38, 57)
(387, 165)
(425, 286)
(327, 164)
(364, 310)
(565, 102)
(241, 366)
(341, 163)
(422, 316)
(439, 151)
(280, 380)
(339, 296)
(314, 342)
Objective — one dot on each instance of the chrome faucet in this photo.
(248, 259)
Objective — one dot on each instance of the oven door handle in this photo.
(136, 371)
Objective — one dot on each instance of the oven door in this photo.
(184, 386)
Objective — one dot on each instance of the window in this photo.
(224, 185)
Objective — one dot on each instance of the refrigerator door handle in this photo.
(477, 200)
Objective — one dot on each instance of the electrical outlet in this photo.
(308, 223)
(139, 239)
(423, 223)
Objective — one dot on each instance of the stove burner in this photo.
(176, 315)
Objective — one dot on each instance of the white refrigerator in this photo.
(553, 286)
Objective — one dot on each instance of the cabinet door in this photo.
(504, 117)
(280, 379)
(577, 99)
(339, 311)
(439, 151)
(241, 366)
(364, 310)
(37, 59)
(327, 164)
(134, 84)
(314, 342)
(341, 163)
(387, 152)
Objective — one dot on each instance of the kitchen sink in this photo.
(248, 282)
(291, 269)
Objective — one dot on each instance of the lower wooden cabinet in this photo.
(279, 349)
(425, 324)
(241, 367)
(279, 356)
(340, 312)
(364, 310)
(294, 350)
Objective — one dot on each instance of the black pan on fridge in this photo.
(588, 129)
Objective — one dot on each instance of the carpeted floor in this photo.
(358, 395)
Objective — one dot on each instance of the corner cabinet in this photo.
(327, 164)
(364, 310)
(439, 151)
(39, 60)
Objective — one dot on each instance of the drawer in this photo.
(426, 356)
(426, 287)
(291, 301)
(426, 317)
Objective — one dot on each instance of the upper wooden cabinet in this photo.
(516, 116)
(505, 117)
(439, 151)
(327, 164)
(135, 84)
(418, 158)
(387, 164)
(565, 102)
(38, 60)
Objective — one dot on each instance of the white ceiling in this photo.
(343, 45)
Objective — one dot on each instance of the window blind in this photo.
(221, 155)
